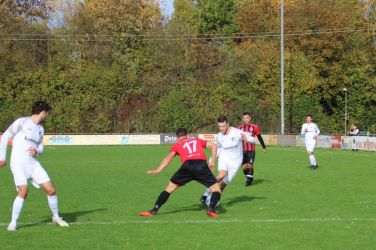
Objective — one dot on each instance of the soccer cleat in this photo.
(248, 181)
(211, 212)
(203, 199)
(150, 213)
(59, 221)
(12, 227)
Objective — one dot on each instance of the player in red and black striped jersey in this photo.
(194, 167)
(249, 149)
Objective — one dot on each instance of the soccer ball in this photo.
(208, 201)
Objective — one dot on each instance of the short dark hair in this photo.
(181, 132)
(246, 113)
(40, 106)
(309, 115)
(222, 118)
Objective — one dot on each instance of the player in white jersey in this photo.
(230, 153)
(27, 144)
(310, 132)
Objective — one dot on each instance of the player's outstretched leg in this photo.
(162, 199)
(214, 200)
(53, 204)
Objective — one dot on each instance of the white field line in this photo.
(210, 221)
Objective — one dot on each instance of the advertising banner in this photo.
(168, 138)
(359, 142)
(300, 141)
(101, 139)
(208, 137)
(323, 141)
(286, 140)
(171, 138)
(145, 139)
(335, 141)
(270, 140)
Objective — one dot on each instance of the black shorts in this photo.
(249, 157)
(197, 170)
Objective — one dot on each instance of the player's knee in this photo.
(171, 187)
(22, 192)
(221, 176)
(51, 191)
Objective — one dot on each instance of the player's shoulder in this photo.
(256, 126)
(21, 120)
(236, 131)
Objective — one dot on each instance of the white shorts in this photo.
(310, 145)
(22, 172)
(231, 166)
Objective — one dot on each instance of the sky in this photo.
(167, 7)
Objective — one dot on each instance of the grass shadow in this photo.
(221, 207)
(239, 199)
(68, 217)
(259, 181)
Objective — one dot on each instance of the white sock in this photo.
(312, 160)
(17, 208)
(52, 202)
(207, 192)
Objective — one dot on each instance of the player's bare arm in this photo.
(213, 148)
(3, 164)
(163, 164)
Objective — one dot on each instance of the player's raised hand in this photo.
(243, 137)
(32, 151)
(153, 172)
(2, 164)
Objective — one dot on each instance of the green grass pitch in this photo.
(102, 189)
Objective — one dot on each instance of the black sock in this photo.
(215, 197)
(162, 198)
(248, 171)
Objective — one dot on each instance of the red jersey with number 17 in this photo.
(190, 149)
